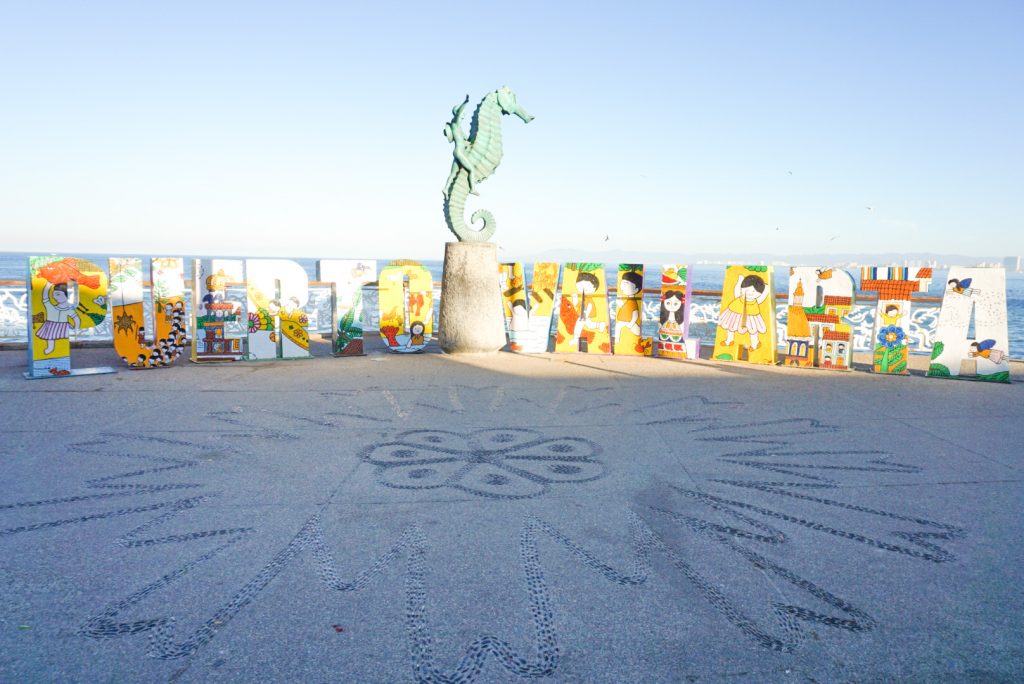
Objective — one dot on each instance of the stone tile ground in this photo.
(439, 519)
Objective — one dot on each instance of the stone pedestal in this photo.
(471, 320)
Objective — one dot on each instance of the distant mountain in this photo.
(862, 258)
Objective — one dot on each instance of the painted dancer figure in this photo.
(60, 315)
(628, 315)
(743, 314)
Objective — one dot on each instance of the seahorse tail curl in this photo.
(489, 224)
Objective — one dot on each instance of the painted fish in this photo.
(66, 269)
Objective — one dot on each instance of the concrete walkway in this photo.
(575, 519)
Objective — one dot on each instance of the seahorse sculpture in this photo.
(476, 158)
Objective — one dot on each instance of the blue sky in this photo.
(315, 128)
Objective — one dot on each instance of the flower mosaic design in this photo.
(258, 320)
(505, 463)
(891, 336)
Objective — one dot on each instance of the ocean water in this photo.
(13, 266)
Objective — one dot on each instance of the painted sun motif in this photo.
(124, 323)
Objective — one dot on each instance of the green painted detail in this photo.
(202, 321)
(891, 360)
(938, 370)
(757, 269)
(814, 310)
(1002, 376)
(37, 262)
(349, 328)
(626, 268)
(725, 357)
(936, 353)
(476, 158)
(161, 290)
(584, 266)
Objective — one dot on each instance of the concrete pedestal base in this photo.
(471, 320)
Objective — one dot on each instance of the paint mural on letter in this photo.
(894, 286)
(347, 278)
(817, 332)
(405, 297)
(528, 310)
(746, 323)
(981, 293)
(583, 311)
(674, 341)
(629, 317)
(64, 294)
(168, 328)
(276, 290)
(212, 313)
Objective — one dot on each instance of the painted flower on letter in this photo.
(891, 336)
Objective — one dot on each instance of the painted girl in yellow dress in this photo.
(743, 314)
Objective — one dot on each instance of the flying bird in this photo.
(606, 238)
(832, 238)
(868, 208)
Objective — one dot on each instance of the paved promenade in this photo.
(574, 519)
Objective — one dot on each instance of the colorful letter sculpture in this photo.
(674, 341)
(276, 290)
(405, 297)
(347, 279)
(817, 334)
(476, 158)
(212, 312)
(894, 286)
(746, 324)
(528, 316)
(980, 292)
(53, 312)
(167, 294)
(583, 311)
(629, 318)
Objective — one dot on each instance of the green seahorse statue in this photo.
(476, 158)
